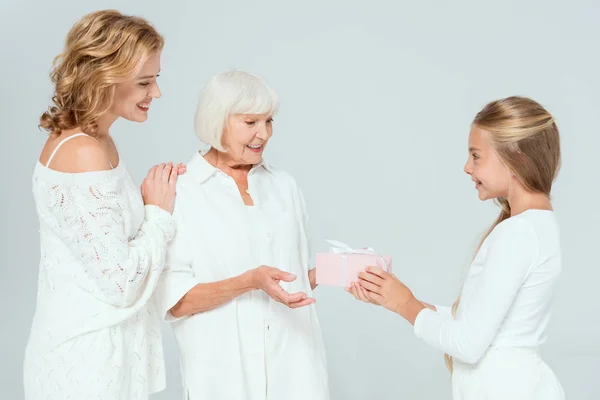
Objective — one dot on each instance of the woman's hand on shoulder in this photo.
(159, 185)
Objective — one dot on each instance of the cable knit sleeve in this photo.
(178, 277)
(91, 219)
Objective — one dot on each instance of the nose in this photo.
(263, 133)
(155, 91)
(468, 168)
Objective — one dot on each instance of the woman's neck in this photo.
(104, 123)
(226, 163)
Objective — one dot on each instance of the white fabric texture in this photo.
(506, 373)
(506, 298)
(95, 332)
(251, 348)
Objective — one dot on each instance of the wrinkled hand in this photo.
(267, 279)
(385, 289)
(158, 188)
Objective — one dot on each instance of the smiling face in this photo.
(133, 97)
(490, 174)
(246, 136)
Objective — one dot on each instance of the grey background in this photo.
(377, 98)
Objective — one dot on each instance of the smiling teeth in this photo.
(258, 146)
(146, 106)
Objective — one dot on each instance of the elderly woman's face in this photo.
(246, 137)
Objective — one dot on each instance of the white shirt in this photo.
(506, 299)
(96, 330)
(251, 348)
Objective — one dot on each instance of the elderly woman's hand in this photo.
(267, 279)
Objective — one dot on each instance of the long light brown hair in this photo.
(101, 50)
(526, 139)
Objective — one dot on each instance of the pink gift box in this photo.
(341, 266)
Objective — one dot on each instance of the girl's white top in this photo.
(507, 296)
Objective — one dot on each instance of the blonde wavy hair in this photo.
(526, 139)
(102, 49)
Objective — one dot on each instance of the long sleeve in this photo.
(178, 277)
(511, 250)
(91, 220)
(444, 310)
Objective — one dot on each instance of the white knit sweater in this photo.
(95, 332)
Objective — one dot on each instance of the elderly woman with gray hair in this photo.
(237, 285)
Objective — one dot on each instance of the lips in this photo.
(256, 148)
(143, 106)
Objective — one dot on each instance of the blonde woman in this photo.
(505, 303)
(237, 285)
(95, 332)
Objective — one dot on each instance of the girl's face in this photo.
(490, 174)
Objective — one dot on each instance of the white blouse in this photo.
(95, 332)
(251, 348)
(507, 296)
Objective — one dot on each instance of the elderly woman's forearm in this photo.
(207, 296)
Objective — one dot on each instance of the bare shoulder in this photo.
(79, 154)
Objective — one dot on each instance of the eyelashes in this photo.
(251, 123)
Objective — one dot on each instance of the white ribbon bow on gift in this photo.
(338, 247)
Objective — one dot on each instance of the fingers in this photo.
(285, 276)
(151, 172)
(277, 293)
(158, 171)
(166, 172)
(370, 286)
(353, 290)
(362, 293)
(371, 278)
(365, 294)
(163, 172)
(377, 271)
(173, 175)
(274, 290)
(302, 303)
(350, 290)
(293, 298)
(376, 298)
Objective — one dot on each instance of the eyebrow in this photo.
(148, 76)
(254, 117)
(471, 149)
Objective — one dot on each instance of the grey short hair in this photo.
(228, 93)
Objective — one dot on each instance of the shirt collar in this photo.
(201, 169)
